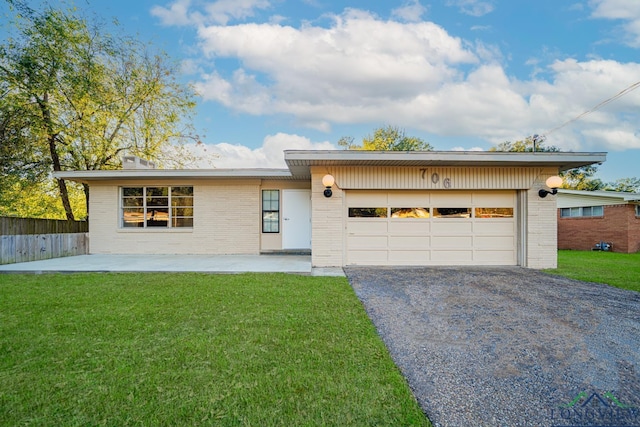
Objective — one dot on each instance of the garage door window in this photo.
(368, 212)
(494, 212)
(452, 212)
(410, 213)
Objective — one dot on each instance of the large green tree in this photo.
(389, 138)
(76, 97)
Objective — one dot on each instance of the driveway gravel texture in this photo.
(508, 346)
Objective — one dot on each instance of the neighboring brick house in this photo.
(586, 218)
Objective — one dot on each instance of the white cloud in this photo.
(217, 12)
(222, 11)
(473, 7)
(269, 155)
(410, 11)
(578, 87)
(353, 71)
(467, 149)
(616, 9)
(625, 10)
(363, 69)
(175, 14)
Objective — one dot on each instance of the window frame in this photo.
(638, 210)
(147, 202)
(582, 212)
(270, 211)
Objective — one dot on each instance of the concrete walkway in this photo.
(299, 264)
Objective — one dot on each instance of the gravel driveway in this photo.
(508, 346)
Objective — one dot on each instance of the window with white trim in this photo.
(637, 210)
(581, 212)
(157, 207)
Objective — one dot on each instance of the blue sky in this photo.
(461, 74)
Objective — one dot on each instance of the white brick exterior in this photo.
(228, 203)
(327, 223)
(226, 221)
(542, 225)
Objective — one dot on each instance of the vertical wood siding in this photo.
(441, 178)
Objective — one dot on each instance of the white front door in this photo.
(296, 219)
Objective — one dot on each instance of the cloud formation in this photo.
(269, 155)
(627, 11)
(360, 68)
(217, 12)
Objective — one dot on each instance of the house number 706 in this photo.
(435, 178)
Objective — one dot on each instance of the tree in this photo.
(582, 178)
(77, 98)
(388, 138)
(626, 185)
(525, 146)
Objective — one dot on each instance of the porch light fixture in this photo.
(327, 182)
(553, 182)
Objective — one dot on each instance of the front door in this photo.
(296, 219)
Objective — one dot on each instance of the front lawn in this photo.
(619, 270)
(193, 349)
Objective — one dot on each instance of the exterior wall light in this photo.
(327, 182)
(553, 182)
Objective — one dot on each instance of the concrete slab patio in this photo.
(298, 264)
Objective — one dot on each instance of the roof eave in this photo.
(173, 174)
(299, 161)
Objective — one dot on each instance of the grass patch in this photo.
(193, 349)
(615, 269)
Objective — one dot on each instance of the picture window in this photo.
(161, 207)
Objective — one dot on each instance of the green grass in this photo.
(193, 349)
(619, 270)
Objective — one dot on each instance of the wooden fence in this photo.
(28, 239)
(10, 226)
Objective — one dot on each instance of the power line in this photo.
(623, 92)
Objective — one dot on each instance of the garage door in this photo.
(431, 228)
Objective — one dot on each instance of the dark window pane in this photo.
(158, 201)
(157, 191)
(181, 191)
(132, 201)
(182, 201)
(270, 222)
(158, 217)
(132, 191)
(367, 212)
(452, 212)
(182, 211)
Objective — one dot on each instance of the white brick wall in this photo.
(226, 221)
(542, 242)
(327, 225)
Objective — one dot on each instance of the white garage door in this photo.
(431, 228)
